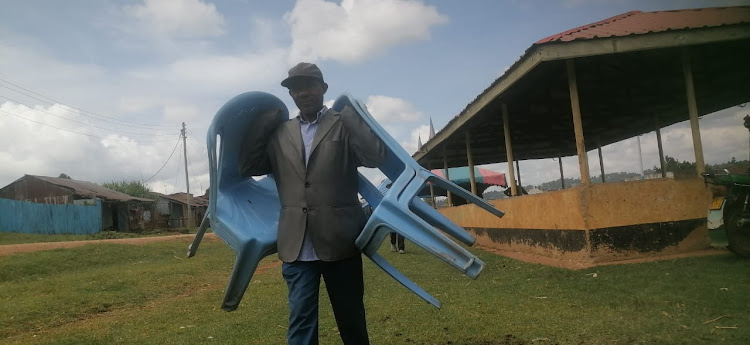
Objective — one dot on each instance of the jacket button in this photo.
(307, 184)
(304, 210)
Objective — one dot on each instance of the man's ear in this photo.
(325, 87)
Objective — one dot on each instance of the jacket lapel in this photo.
(325, 125)
(295, 136)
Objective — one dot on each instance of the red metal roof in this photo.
(637, 22)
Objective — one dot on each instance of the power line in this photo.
(84, 123)
(165, 163)
(83, 112)
(86, 134)
(197, 147)
(198, 141)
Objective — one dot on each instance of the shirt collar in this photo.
(317, 116)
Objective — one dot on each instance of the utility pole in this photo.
(187, 180)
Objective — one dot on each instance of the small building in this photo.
(119, 211)
(171, 209)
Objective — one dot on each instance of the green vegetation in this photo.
(132, 188)
(681, 170)
(152, 294)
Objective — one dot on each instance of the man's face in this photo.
(307, 94)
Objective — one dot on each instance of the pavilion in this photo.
(589, 87)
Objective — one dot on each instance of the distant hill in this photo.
(680, 169)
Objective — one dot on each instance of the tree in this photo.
(132, 188)
(680, 169)
(64, 175)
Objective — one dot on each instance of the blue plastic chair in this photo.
(242, 211)
(401, 210)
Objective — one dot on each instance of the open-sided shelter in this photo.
(592, 86)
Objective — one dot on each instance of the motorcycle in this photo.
(736, 209)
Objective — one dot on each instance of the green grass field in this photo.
(152, 294)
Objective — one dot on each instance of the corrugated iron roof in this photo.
(89, 189)
(637, 23)
(626, 24)
(180, 198)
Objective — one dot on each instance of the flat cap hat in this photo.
(303, 70)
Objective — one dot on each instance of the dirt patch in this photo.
(577, 265)
(11, 249)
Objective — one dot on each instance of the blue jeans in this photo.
(345, 286)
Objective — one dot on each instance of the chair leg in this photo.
(390, 218)
(436, 219)
(244, 268)
(463, 193)
(205, 223)
(402, 279)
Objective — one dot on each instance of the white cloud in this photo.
(420, 133)
(390, 110)
(181, 112)
(102, 157)
(230, 70)
(356, 29)
(399, 117)
(178, 18)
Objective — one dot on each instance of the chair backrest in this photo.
(395, 161)
(242, 126)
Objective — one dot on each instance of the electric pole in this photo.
(187, 180)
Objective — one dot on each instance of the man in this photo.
(314, 159)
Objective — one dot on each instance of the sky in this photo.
(99, 90)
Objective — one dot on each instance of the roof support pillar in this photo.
(687, 70)
(509, 151)
(518, 173)
(601, 160)
(470, 162)
(583, 161)
(447, 177)
(432, 189)
(661, 148)
(562, 177)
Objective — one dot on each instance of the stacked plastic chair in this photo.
(242, 211)
(401, 210)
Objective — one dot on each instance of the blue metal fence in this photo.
(33, 218)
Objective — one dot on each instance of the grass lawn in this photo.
(152, 294)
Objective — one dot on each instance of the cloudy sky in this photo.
(99, 89)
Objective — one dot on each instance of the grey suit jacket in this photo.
(322, 197)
